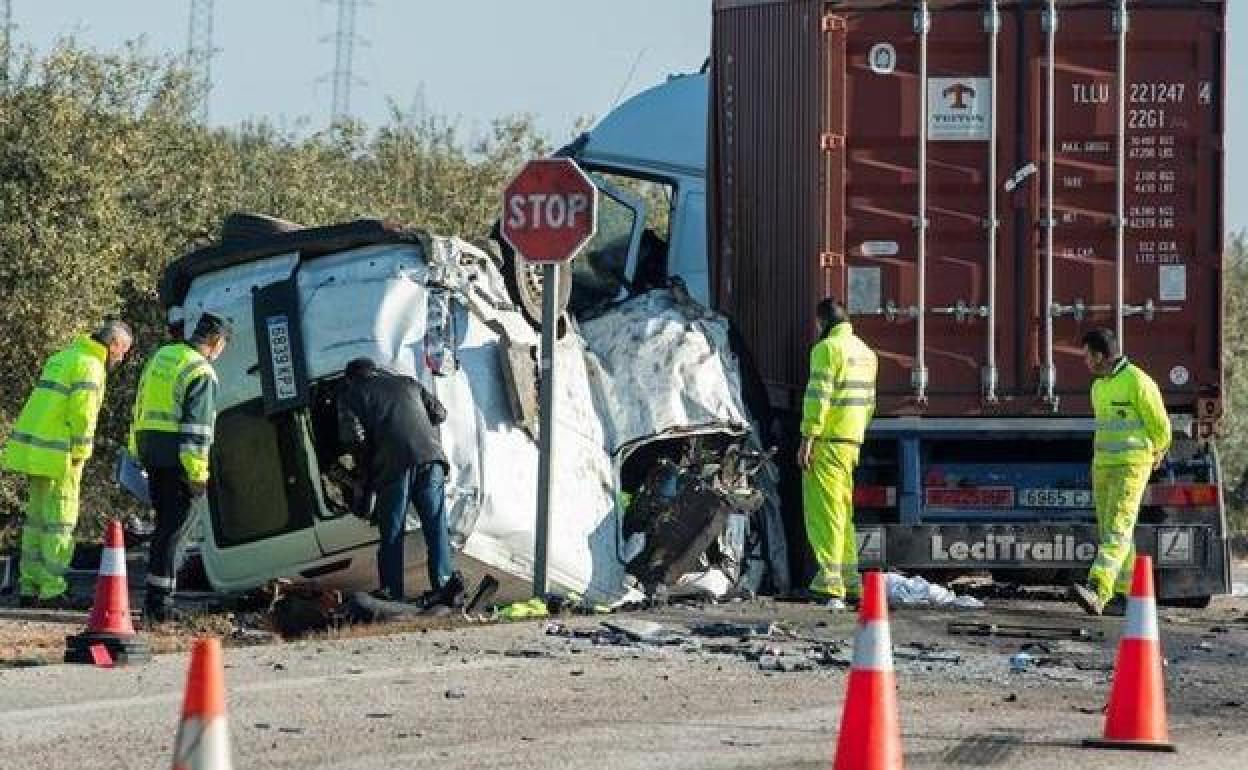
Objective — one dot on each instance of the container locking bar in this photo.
(922, 26)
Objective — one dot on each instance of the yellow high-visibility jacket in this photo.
(56, 427)
(840, 396)
(1132, 426)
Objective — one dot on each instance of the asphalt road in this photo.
(514, 696)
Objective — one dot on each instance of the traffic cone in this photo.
(1136, 717)
(110, 636)
(203, 740)
(870, 737)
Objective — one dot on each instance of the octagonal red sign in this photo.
(550, 210)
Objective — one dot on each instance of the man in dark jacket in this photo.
(387, 422)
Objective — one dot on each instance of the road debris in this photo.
(735, 630)
(638, 630)
(968, 628)
(915, 591)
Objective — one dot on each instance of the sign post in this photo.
(550, 211)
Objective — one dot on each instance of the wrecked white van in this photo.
(657, 476)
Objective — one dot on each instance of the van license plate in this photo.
(1056, 498)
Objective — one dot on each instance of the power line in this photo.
(199, 53)
(345, 40)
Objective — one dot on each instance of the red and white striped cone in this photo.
(870, 737)
(203, 739)
(110, 636)
(1136, 716)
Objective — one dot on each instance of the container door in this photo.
(1133, 155)
(930, 130)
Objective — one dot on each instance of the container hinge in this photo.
(830, 142)
(834, 23)
(923, 20)
(831, 259)
(992, 21)
(1048, 20)
(1122, 21)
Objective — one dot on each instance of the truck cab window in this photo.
(603, 271)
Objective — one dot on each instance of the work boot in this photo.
(1086, 597)
(1116, 607)
(28, 602)
(836, 604)
(58, 602)
(158, 608)
(449, 597)
(163, 613)
(382, 594)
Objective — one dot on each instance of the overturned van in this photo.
(659, 479)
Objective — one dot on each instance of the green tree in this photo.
(1233, 444)
(104, 179)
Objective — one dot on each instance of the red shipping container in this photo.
(981, 182)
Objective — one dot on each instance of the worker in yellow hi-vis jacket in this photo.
(1132, 437)
(839, 402)
(50, 443)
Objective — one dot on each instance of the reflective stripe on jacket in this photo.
(57, 425)
(174, 411)
(840, 396)
(1132, 426)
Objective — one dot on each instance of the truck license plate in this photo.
(1056, 498)
(970, 497)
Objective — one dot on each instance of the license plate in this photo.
(970, 497)
(1056, 498)
(280, 355)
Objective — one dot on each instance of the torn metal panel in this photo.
(661, 363)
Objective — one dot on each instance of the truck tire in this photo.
(524, 283)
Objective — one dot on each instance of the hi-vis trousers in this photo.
(828, 505)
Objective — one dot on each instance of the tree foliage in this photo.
(1233, 445)
(104, 178)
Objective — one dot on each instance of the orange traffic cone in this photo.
(1136, 718)
(110, 636)
(870, 737)
(203, 741)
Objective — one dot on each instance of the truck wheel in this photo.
(524, 284)
(1188, 602)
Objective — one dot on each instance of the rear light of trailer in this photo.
(875, 497)
(1182, 495)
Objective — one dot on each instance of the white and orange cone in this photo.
(203, 741)
(870, 737)
(1136, 716)
(110, 613)
(110, 636)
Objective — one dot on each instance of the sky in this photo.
(473, 60)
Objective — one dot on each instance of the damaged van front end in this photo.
(644, 387)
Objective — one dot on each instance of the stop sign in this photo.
(550, 210)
